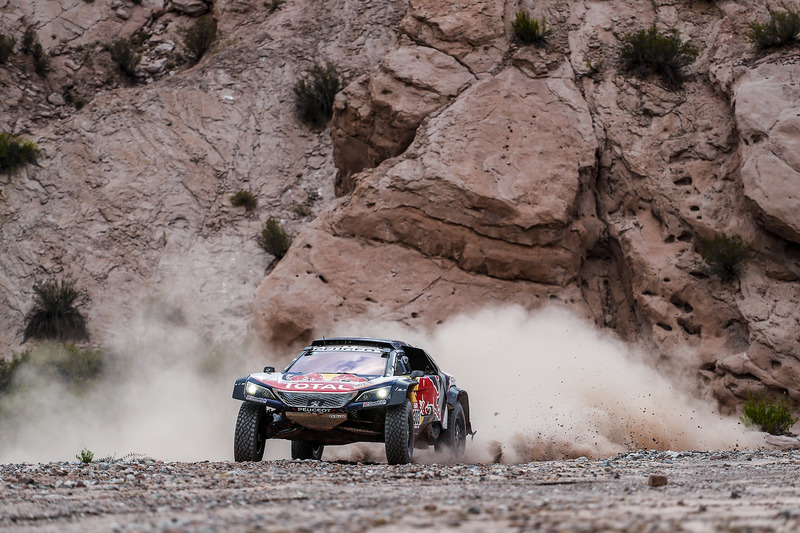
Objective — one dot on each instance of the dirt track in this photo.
(706, 491)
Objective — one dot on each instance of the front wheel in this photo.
(454, 438)
(250, 436)
(399, 434)
(303, 449)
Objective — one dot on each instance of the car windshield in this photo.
(340, 362)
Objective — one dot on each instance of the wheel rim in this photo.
(459, 435)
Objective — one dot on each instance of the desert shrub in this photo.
(773, 416)
(244, 199)
(6, 47)
(316, 92)
(274, 239)
(272, 5)
(529, 30)
(29, 38)
(126, 58)
(198, 37)
(16, 152)
(79, 366)
(302, 210)
(85, 456)
(41, 59)
(55, 315)
(723, 255)
(781, 29)
(8, 369)
(649, 52)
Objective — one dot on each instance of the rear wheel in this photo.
(454, 438)
(250, 435)
(303, 449)
(399, 434)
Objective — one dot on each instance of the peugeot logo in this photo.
(314, 403)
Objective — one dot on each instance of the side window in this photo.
(401, 366)
(420, 361)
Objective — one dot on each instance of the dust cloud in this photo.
(542, 385)
(166, 393)
(549, 385)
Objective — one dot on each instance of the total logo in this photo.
(318, 386)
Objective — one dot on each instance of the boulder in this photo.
(767, 110)
(192, 8)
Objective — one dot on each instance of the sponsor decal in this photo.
(318, 386)
(370, 404)
(255, 399)
(314, 410)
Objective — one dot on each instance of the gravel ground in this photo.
(704, 491)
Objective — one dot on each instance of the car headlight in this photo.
(254, 389)
(374, 394)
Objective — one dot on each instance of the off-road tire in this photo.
(399, 434)
(250, 435)
(303, 449)
(454, 438)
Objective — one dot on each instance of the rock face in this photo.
(462, 170)
(768, 120)
(131, 195)
(552, 176)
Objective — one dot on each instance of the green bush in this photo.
(272, 5)
(528, 29)
(8, 369)
(85, 456)
(41, 60)
(198, 37)
(79, 366)
(774, 417)
(781, 29)
(6, 47)
(723, 255)
(126, 58)
(316, 92)
(274, 239)
(649, 52)
(244, 199)
(29, 38)
(16, 152)
(55, 315)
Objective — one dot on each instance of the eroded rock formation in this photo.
(556, 176)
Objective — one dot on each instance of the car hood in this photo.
(315, 382)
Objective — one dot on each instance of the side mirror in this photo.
(416, 374)
(269, 369)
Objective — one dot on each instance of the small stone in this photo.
(123, 13)
(190, 7)
(56, 99)
(474, 510)
(657, 480)
(430, 507)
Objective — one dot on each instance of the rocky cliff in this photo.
(461, 170)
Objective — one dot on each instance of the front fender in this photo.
(238, 389)
(400, 391)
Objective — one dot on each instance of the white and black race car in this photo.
(345, 390)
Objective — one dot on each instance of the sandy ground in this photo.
(705, 491)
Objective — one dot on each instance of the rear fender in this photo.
(459, 395)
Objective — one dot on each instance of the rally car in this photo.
(345, 390)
